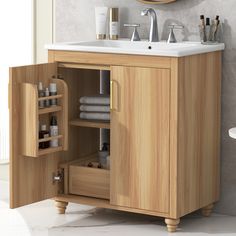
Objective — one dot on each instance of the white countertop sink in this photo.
(138, 48)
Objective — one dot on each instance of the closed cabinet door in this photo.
(140, 103)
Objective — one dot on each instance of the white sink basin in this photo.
(232, 133)
(140, 48)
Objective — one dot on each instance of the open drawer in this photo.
(89, 181)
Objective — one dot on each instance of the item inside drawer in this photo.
(87, 178)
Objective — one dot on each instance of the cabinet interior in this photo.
(85, 137)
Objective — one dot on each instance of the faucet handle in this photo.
(176, 26)
(135, 35)
(171, 38)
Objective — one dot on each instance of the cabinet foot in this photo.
(206, 211)
(61, 206)
(172, 224)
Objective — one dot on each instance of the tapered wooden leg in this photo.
(172, 224)
(61, 206)
(206, 211)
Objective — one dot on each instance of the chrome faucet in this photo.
(153, 36)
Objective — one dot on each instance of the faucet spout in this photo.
(153, 35)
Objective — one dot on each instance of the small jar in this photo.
(43, 133)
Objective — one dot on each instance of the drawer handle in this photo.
(111, 95)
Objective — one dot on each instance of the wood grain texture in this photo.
(62, 117)
(30, 178)
(104, 203)
(83, 141)
(45, 152)
(50, 97)
(29, 119)
(61, 206)
(195, 142)
(108, 59)
(174, 138)
(165, 132)
(91, 124)
(206, 211)
(50, 138)
(83, 66)
(140, 138)
(49, 110)
(172, 224)
(87, 181)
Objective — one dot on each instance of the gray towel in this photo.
(96, 100)
(94, 116)
(94, 108)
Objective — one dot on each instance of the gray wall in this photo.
(75, 21)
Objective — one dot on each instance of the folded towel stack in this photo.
(95, 107)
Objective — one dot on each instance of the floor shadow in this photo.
(194, 223)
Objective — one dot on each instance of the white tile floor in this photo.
(41, 219)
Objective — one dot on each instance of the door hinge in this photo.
(58, 177)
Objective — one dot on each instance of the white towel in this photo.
(94, 116)
(93, 108)
(96, 100)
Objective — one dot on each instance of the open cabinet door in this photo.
(31, 178)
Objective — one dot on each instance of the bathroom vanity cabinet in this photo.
(165, 134)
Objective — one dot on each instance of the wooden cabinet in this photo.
(140, 136)
(31, 115)
(165, 134)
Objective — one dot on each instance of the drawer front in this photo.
(89, 182)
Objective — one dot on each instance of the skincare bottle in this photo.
(41, 94)
(53, 92)
(43, 133)
(114, 24)
(215, 28)
(203, 28)
(208, 29)
(47, 94)
(101, 15)
(54, 131)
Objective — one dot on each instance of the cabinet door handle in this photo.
(111, 95)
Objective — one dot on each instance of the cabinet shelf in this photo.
(30, 118)
(50, 97)
(49, 110)
(50, 138)
(91, 123)
(46, 151)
